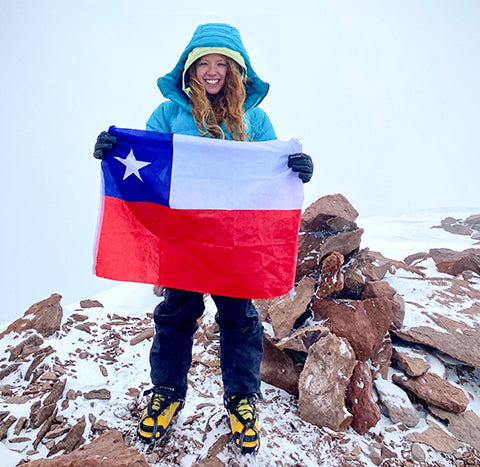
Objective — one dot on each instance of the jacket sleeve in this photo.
(160, 120)
(260, 127)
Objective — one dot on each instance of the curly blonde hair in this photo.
(225, 107)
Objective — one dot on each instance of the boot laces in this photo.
(158, 400)
(246, 410)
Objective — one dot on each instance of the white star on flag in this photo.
(132, 166)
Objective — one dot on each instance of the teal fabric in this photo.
(174, 115)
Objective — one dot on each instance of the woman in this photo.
(214, 92)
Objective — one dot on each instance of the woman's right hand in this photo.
(105, 141)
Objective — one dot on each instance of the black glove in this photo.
(303, 164)
(105, 141)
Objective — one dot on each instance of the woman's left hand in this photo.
(302, 164)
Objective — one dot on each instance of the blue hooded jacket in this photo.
(174, 115)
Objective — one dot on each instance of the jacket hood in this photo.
(213, 35)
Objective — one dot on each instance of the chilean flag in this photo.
(200, 214)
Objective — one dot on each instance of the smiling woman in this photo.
(212, 92)
(217, 94)
(210, 71)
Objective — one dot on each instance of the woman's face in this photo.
(211, 70)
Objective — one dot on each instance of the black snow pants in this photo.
(241, 342)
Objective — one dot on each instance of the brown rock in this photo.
(56, 393)
(211, 459)
(57, 432)
(323, 383)
(7, 390)
(435, 437)
(353, 282)
(464, 426)
(382, 289)
(397, 403)
(44, 429)
(458, 229)
(302, 339)
(313, 247)
(5, 425)
(90, 304)
(72, 440)
(39, 413)
(363, 323)
(33, 340)
(103, 394)
(72, 395)
(49, 376)
(380, 362)
(8, 370)
(22, 439)
(413, 362)
(100, 425)
(78, 317)
(455, 262)
(278, 369)
(400, 316)
(107, 450)
(411, 259)
(17, 399)
(325, 208)
(459, 337)
(285, 311)
(378, 289)
(382, 265)
(37, 360)
(331, 278)
(417, 452)
(359, 399)
(435, 390)
(339, 224)
(20, 425)
(85, 327)
(473, 221)
(46, 319)
(146, 334)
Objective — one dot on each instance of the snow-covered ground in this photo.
(398, 237)
(287, 440)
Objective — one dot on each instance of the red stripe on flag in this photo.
(245, 254)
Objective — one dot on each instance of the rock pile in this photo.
(330, 341)
(42, 378)
(334, 328)
(469, 226)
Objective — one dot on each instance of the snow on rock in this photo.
(413, 361)
(108, 449)
(323, 383)
(442, 312)
(400, 408)
(360, 401)
(286, 310)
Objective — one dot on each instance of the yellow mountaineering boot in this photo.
(243, 422)
(158, 415)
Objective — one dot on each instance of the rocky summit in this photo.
(368, 361)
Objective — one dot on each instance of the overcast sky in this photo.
(383, 94)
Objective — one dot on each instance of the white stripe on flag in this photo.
(233, 175)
